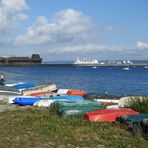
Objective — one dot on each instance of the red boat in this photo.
(37, 94)
(76, 93)
(108, 115)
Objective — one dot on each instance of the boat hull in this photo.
(41, 88)
(108, 115)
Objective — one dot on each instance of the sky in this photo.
(66, 29)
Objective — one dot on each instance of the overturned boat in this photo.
(8, 92)
(50, 86)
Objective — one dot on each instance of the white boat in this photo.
(107, 101)
(145, 66)
(50, 86)
(85, 61)
(126, 68)
(125, 101)
(94, 67)
(8, 92)
(43, 103)
(62, 91)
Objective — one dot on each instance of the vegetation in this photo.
(139, 104)
(35, 127)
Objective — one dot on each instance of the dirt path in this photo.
(4, 107)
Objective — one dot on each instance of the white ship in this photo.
(85, 61)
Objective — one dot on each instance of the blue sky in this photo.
(66, 29)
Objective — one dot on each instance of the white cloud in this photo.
(142, 45)
(11, 13)
(68, 26)
(88, 48)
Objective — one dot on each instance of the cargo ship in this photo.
(14, 60)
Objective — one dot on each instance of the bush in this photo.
(139, 104)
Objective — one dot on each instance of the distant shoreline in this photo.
(75, 65)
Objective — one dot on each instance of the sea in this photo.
(112, 80)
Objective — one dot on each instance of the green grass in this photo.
(34, 127)
(139, 104)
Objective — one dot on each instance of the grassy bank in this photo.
(34, 127)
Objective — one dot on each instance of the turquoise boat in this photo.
(131, 121)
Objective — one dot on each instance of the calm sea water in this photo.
(113, 80)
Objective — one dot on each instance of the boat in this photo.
(85, 61)
(125, 101)
(8, 92)
(126, 68)
(130, 121)
(29, 100)
(13, 60)
(11, 100)
(76, 93)
(43, 103)
(145, 66)
(110, 101)
(67, 98)
(75, 112)
(112, 106)
(62, 91)
(68, 109)
(108, 114)
(94, 67)
(23, 86)
(50, 86)
(37, 94)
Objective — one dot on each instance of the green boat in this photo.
(131, 121)
(74, 108)
(75, 112)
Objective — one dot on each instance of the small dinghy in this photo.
(126, 101)
(76, 93)
(130, 121)
(42, 93)
(50, 86)
(67, 98)
(26, 100)
(43, 103)
(62, 91)
(23, 86)
(108, 115)
(8, 92)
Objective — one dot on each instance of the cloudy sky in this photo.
(66, 29)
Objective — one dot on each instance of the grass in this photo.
(35, 127)
(139, 104)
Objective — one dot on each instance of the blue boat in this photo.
(26, 100)
(24, 85)
(68, 98)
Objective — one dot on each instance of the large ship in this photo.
(13, 60)
(85, 61)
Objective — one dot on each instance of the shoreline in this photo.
(77, 65)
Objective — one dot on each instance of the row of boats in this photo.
(93, 107)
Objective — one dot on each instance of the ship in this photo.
(15, 60)
(85, 61)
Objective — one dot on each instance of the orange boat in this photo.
(76, 93)
(41, 93)
(108, 115)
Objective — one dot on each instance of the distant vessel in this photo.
(145, 66)
(85, 61)
(126, 68)
(13, 60)
(94, 67)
